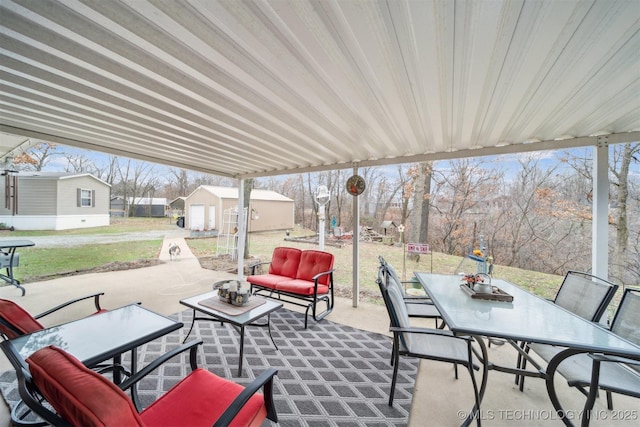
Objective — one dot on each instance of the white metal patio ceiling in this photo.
(255, 88)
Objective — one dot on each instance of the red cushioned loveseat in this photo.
(300, 275)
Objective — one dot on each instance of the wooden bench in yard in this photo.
(302, 277)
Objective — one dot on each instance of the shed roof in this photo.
(256, 194)
(272, 87)
(148, 200)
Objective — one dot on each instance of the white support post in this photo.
(600, 222)
(356, 247)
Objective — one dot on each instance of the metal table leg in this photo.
(241, 350)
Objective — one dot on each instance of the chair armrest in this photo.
(155, 364)
(428, 331)
(616, 359)
(253, 267)
(96, 302)
(409, 299)
(319, 275)
(264, 380)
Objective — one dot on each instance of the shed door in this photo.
(196, 217)
(212, 217)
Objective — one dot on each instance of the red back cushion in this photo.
(79, 395)
(17, 316)
(314, 262)
(285, 261)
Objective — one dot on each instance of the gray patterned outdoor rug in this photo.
(328, 374)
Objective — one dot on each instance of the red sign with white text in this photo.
(418, 248)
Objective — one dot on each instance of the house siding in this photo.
(68, 196)
(35, 197)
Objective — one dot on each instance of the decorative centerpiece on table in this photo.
(231, 291)
(479, 282)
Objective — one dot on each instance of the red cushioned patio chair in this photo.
(15, 321)
(82, 397)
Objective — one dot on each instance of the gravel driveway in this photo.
(66, 241)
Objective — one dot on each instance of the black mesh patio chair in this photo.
(418, 306)
(592, 372)
(583, 294)
(432, 344)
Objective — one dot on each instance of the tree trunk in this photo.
(622, 229)
(421, 199)
(248, 186)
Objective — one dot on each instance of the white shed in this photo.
(205, 206)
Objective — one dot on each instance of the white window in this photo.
(85, 198)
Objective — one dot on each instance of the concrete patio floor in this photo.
(439, 399)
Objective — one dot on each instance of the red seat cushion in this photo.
(285, 261)
(301, 287)
(199, 400)
(267, 280)
(18, 317)
(80, 395)
(313, 262)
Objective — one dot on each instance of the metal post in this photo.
(321, 228)
(404, 270)
(322, 198)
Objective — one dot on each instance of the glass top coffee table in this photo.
(238, 316)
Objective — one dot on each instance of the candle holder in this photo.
(231, 292)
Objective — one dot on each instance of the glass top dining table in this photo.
(527, 318)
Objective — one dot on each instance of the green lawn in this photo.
(261, 247)
(40, 263)
(118, 225)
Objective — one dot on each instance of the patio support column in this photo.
(242, 232)
(600, 246)
(356, 247)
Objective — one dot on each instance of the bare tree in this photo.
(137, 179)
(387, 191)
(37, 157)
(421, 177)
(178, 184)
(108, 171)
(545, 221)
(79, 162)
(623, 157)
(459, 195)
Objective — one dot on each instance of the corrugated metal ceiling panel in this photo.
(270, 87)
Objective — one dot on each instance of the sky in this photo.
(509, 163)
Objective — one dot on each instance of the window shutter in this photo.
(79, 197)
(93, 198)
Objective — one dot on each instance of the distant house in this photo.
(117, 206)
(206, 205)
(54, 201)
(148, 206)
